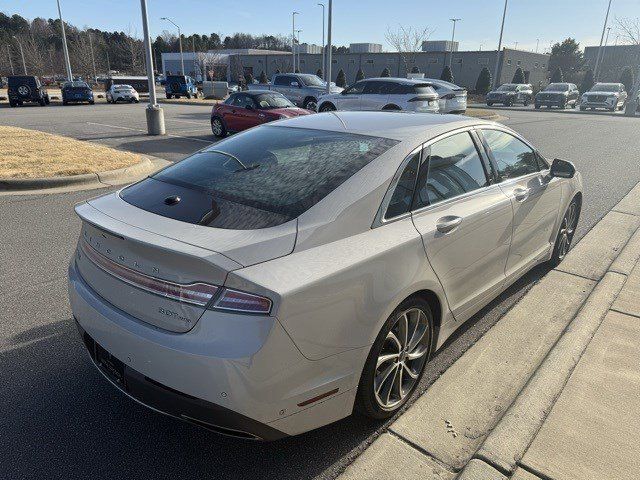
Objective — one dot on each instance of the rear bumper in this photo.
(235, 374)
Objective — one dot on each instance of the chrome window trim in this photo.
(451, 200)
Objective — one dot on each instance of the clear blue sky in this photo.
(354, 20)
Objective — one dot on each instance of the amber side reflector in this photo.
(319, 397)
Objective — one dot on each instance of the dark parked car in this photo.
(244, 110)
(180, 86)
(511, 93)
(559, 95)
(26, 88)
(77, 92)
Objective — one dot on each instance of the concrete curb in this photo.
(479, 417)
(74, 182)
(170, 101)
(576, 111)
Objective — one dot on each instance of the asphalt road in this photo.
(61, 420)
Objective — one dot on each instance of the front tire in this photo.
(310, 104)
(566, 233)
(217, 127)
(397, 359)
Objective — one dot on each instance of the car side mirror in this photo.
(562, 169)
(295, 84)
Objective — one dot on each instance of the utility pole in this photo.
(329, 47)
(298, 32)
(93, 59)
(67, 62)
(598, 58)
(179, 41)
(516, 46)
(499, 53)
(10, 61)
(108, 62)
(24, 65)
(324, 47)
(293, 40)
(453, 36)
(537, 44)
(154, 113)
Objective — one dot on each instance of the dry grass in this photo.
(480, 113)
(32, 154)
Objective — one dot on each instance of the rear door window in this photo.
(258, 179)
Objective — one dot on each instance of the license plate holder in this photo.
(109, 364)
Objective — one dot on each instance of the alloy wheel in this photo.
(401, 359)
(312, 105)
(216, 127)
(567, 229)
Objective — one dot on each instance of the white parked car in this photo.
(122, 93)
(383, 93)
(271, 283)
(452, 98)
(611, 96)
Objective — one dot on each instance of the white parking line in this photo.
(144, 131)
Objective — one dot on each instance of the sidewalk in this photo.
(552, 391)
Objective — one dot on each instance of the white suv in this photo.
(124, 93)
(383, 94)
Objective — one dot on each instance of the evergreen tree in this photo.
(385, 73)
(626, 77)
(263, 77)
(447, 75)
(587, 81)
(359, 75)
(278, 70)
(297, 70)
(248, 78)
(319, 72)
(415, 69)
(341, 79)
(518, 77)
(483, 83)
(558, 76)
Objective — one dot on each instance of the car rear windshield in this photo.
(176, 78)
(507, 88)
(312, 80)
(15, 81)
(424, 89)
(266, 176)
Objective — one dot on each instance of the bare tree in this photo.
(407, 41)
(135, 49)
(209, 64)
(629, 29)
(80, 55)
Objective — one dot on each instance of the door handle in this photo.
(448, 223)
(521, 193)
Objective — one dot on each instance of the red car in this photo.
(244, 110)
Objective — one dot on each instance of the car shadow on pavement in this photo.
(62, 420)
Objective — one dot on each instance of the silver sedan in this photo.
(283, 277)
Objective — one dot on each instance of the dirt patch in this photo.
(32, 154)
(481, 113)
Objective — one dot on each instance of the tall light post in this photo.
(10, 61)
(293, 40)
(179, 41)
(499, 53)
(93, 59)
(537, 44)
(329, 47)
(516, 46)
(154, 113)
(65, 50)
(598, 58)
(298, 37)
(324, 66)
(453, 36)
(24, 65)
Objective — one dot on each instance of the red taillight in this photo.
(194, 293)
(237, 301)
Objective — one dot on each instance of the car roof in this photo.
(395, 125)
(608, 83)
(406, 81)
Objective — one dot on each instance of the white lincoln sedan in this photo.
(290, 275)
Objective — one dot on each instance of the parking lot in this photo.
(54, 398)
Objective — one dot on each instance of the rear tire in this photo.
(566, 232)
(397, 359)
(188, 95)
(327, 107)
(168, 95)
(489, 104)
(537, 106)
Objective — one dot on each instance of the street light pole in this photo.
(604, 27)
(324, 66)
(537, 44)
(24, 65)
(498, 54)
(179, 41)
(93, 59)
(298, 37)
(154, 113)
(293, 41)
(10, 61)
(67, 62)
(329, 47)
(453, 36)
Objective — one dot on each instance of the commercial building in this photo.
(466, 66)
(614, 59)
(439, 46)
(365, 48)
(308, 48)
